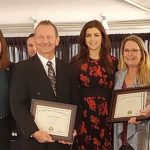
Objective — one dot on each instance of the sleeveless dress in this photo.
(94, 132)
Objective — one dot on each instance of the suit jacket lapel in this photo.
(42, 77)
(39, 69)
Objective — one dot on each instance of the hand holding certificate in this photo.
(57, 119)
(128, 103)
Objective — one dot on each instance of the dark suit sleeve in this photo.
(19, 101)
(76, 95)
(75, 90)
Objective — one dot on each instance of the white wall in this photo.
(23, 30)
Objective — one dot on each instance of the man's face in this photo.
(46, 40)
(31, 46)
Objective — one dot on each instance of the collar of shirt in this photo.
(44, 62)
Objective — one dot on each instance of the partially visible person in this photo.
(95, 72)
(42, 77)
(31, 49)
(5, 75)
(134, 71)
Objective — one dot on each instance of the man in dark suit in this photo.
(30, 81)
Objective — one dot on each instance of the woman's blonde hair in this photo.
(144, 70)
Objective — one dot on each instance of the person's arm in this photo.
(76, 94)
(75, 89)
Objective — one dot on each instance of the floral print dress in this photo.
(94, 132)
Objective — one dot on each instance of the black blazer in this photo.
(30, 81)
(8, 73)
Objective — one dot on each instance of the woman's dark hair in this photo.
(4, 54)
(105, 46)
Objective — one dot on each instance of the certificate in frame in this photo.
(127, 103)
(57, 119)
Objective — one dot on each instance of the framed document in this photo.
(57, 119)
(127, 103)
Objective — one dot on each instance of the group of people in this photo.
(88, 82)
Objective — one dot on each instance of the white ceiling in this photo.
(18, 16)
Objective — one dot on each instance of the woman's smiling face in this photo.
(132, 54)
(93, 39)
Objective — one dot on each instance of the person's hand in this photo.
(146, 111)
(74, 133)
(63, 142)
(133, 121)
(42, 137)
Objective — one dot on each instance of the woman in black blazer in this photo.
(5, 74)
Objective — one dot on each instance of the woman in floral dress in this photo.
(95, 72)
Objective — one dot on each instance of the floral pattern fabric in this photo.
(95, 133)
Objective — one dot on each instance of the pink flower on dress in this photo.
(110, 84)
(109, 58)
(94, 120)
(103, 108)
(98, 72)
(96, 141)
(84, 67)
(91, 104)
(101, 81)
(85, 113)
(83, 128)
(92, 70)
(85, 80)
(102, 131)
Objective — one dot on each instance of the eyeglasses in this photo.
(132, 50)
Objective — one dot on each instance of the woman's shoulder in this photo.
(112, 58)
(119, 78)
(9, 67)
(113, 61)
(74, 59)
(121, 72)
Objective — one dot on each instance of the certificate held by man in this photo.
(128, 103)
(57, 119)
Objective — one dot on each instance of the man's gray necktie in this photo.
(51, 75)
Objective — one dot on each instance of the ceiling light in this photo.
(35, 22)
(105, 23)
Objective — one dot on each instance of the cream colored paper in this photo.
(130, 104)
(54, 121)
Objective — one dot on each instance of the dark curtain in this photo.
(68, 47)
(17, 48)
(116, 40)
